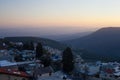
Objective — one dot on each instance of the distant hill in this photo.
(59, 34)
(64, 37)
(44, 41)
(104, 42)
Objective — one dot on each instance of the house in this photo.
(56, 57)
(3, 46)
(52, 50)
(4, 55)
(13, 74)
(109, 71)
(43, 71)
(93, 70)
(59, 75)
(28, 55)
(13, 51)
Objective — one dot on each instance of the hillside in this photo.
(44, 41)
(64, 37)
(104, 42)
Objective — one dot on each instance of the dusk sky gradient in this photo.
(73, 14)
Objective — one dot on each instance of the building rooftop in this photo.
(4, 63)
(13, 72)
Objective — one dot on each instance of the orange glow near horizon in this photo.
(63, 13)
(85, 22)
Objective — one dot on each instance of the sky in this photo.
(59, 15)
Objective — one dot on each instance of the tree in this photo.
(31, 46)
(18, 58)
(25, 46)
(39, 50)
(46, 61)
(28, 46)
(67, 59)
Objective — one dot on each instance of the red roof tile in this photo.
(13, 72)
